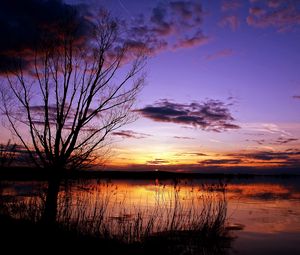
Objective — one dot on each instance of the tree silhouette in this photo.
(67, 95)
(71, 95)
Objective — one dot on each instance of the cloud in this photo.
(273, 129)
(220, 54)
(283, 140)
(289, 157)
(275, 3)
(260, 141)
(184, 137)
(296, 97)
(171, 26)
(279, 141)
(161, 26)
(38, 116)
(267, 155)
(231, 21)
(196, 40)
(282, 15)
(157, 161)
(24, 23)
(130, 134)
(186, 9)
(200, 154)
(256, 11)
(228, 5)
(262, 129)
(220, 161)
(212, 115)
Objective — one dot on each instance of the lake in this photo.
(262, 213)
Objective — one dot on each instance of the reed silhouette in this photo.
(175, 221)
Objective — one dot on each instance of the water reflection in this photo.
(254, 210)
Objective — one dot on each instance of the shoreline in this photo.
(26, 173)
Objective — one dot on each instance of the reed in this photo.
(98, 211)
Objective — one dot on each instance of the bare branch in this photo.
(73, 94)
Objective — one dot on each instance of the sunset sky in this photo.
(223, 84)
(242, 55)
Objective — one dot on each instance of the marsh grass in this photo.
(173, 217)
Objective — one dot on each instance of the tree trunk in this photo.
(50, 210)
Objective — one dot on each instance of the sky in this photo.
(222, 88)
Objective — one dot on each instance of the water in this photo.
(262, 213)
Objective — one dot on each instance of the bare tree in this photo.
(64, 98)
(71, 95)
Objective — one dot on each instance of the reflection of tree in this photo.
(71, 96)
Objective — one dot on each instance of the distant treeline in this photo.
(28, 173)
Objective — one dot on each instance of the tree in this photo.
(69, 96)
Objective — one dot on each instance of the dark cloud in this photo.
(24, 23)
(220, 161)
(220, 54)
(284, 140)
(287, 157)
(38, 115)
(183, 137)
(283, 15)
(296, 97)
(160, 25)
(212, 115)
(267, 155)
(191, 154)
(172, 25)
(187, 10)
(130, 134)
(157, 161)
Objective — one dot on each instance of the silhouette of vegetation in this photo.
(7, 154)
(191, 222)
(72, 92)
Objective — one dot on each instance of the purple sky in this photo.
(223, 84)
(249, 61)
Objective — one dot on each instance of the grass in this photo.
(175, 221)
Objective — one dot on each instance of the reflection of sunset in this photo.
(258, 189)
(150, 127)
(264, 208)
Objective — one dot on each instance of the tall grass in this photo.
(101, 211)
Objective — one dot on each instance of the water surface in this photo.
(262, 213)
